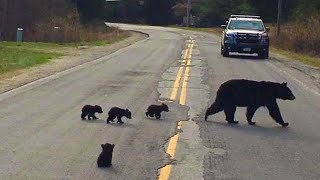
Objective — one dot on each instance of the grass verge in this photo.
(14, 56)
(306, 59)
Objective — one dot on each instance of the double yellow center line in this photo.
(186, 62)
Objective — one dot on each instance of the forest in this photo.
(302, 15)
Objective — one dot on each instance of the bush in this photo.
(68, 29)
(300, 37)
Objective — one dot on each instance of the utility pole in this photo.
(188, 12)
(279, 17)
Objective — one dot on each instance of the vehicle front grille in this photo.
(247, 38)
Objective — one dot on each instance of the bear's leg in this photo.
(83, 116)
(119, 120)
(151, 114)
(92, 115)
(110, 118)
(109, 160)
(250, 113)
(229, 112)
(158, 115)
(215, 108)
(275, 114)
(147, 113)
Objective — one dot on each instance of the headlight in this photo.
(229, 38)
(264, 38)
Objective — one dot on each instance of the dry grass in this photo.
(69, 30)
(299, 37)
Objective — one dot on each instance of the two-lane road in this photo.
(43, 137)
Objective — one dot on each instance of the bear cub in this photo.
(118, 113)
(89, 111)
(155, 110)
(250, 94)
(105, 157)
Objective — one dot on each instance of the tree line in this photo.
(25, 13)
(207, 12)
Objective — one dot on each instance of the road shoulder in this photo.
(14, 79)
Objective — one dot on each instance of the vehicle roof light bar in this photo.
(244, 16)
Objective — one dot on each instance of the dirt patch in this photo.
(74, 57)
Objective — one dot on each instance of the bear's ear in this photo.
(284, 83)
(112, 146)
(102, 145)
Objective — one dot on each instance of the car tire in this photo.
(224, 52)
(264, 54)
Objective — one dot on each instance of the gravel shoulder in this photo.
(74, 57)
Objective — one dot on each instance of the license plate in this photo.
(247, 49)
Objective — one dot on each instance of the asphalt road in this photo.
(43, 137)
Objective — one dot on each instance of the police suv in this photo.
(245, 34)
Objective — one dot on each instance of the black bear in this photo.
(250, 94)
(156, 110)
(90, 111)
(118, 113)
(105, 157)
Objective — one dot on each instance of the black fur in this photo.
(250, 94)
(156, 110)
(89, 111)
(118, 113)
(105, 157)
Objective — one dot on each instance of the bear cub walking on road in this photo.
(105, 157)
(156, 110)
(118, 113)
(250, 94)
(89, 111)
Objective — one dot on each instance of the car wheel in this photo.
(263, 54)
(224, 52)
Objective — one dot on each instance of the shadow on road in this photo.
(283, 133)
(246, 57)
(95, 121)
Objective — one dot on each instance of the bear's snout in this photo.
(292, 97)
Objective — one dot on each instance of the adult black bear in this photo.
(105, 157)
(90, 111)
(118, 113)
(156, 110)
(250, 94)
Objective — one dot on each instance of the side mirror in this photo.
(223, 26)
(267, 29)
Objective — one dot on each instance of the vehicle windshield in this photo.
(246, 24)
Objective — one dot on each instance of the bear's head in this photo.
(107, 148)
(284, 93)
(98, 109)
(165, 107)
(128, 114)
